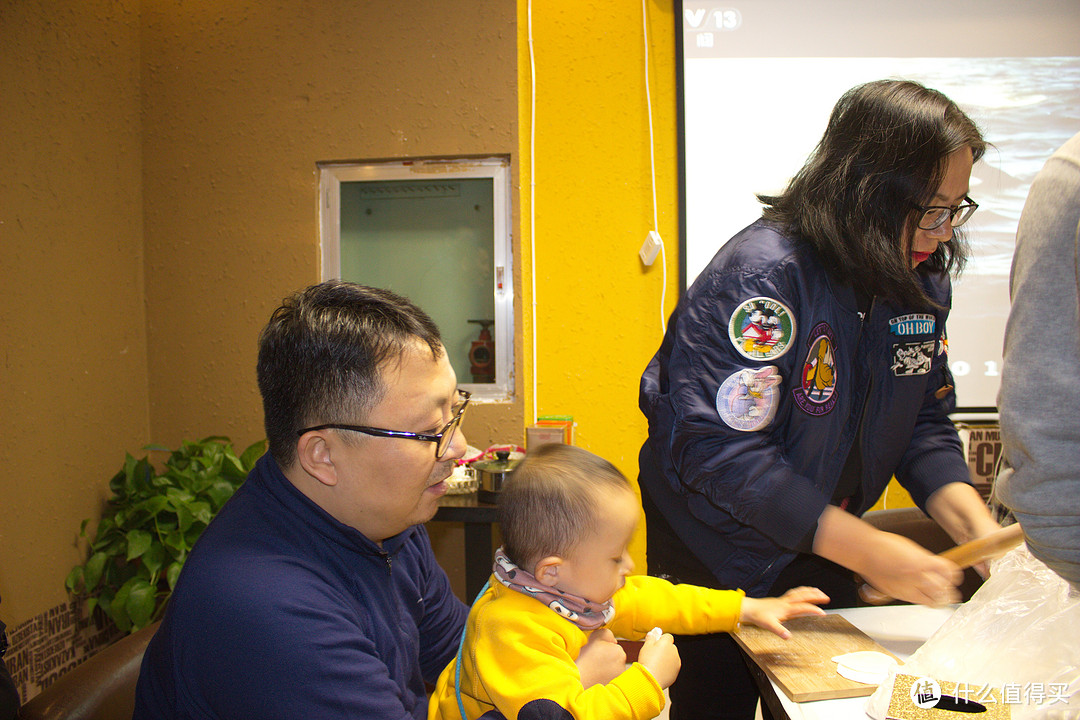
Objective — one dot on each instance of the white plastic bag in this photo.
(1019, 634)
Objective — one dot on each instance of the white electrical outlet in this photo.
(650, 248)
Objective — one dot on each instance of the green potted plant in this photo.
(150, 524)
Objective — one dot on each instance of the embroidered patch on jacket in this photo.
(747, 400)
(816, 393)
(761, 328)
(913, 324)
(912, 358)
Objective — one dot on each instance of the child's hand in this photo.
(769, 613)
(661, 657)
(601, 659)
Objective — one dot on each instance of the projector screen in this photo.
(757, 83)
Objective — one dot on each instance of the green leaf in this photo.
(176, 544)
(184, 517)
(154, 558)
(143, 471)
(141, 603)
(173, 573)
(201, 510)
(107, 525)
(138, 542)
(118, 608)
(94, 568)
(114, 544)
(219, 492)
(76, 579)
(252, 454)
(178, 495)
(193, 534)
(143, 512)
(116, 484)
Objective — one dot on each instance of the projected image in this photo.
(751, 122)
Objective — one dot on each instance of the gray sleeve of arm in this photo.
(1040, 390)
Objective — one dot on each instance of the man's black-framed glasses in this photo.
(442, 439)
(934, 216)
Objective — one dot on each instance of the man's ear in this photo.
(547, 570)
(314, 453)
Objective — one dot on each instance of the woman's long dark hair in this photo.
(884, 151)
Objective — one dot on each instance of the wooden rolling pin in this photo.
(965, 555)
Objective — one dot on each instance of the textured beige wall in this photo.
(158, 197)
(73, 390)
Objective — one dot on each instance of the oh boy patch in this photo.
(746, 400)
(761, 328)
(912, 358)
(816, 394)
(913, 324)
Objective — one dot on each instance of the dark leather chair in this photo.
(100, 688)
(912, 523)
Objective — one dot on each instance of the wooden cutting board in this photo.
(802, 665)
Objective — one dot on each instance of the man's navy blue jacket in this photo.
(281, 611)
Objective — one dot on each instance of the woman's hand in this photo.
(770, 613)
(661, 657)
(961, 511)
(892, 564)
(907, 571)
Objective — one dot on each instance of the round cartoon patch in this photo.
(746, 400)
(816, 393)
(761, 328)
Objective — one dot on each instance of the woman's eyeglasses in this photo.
(934, 216)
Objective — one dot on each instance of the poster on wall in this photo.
(758, 82)
(51, 644)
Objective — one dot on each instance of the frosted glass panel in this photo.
(431, 241)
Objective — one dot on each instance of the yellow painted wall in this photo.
(598, 316)
(598, 308)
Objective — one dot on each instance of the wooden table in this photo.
(900, 629)
(478, 518)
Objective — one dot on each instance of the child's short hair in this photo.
(549, 503)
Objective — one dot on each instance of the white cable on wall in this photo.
(652, 163)
(532, 191)
(532, 204)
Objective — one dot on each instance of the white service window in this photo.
(437, 232)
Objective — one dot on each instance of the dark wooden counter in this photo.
(478, 518)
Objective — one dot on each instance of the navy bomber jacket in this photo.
(755, 398)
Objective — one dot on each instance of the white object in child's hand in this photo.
(866, 666)
(654, 634)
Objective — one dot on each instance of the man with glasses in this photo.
(315, 593)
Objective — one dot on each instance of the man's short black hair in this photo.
(321, 356)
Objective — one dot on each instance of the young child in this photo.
(563, 572)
